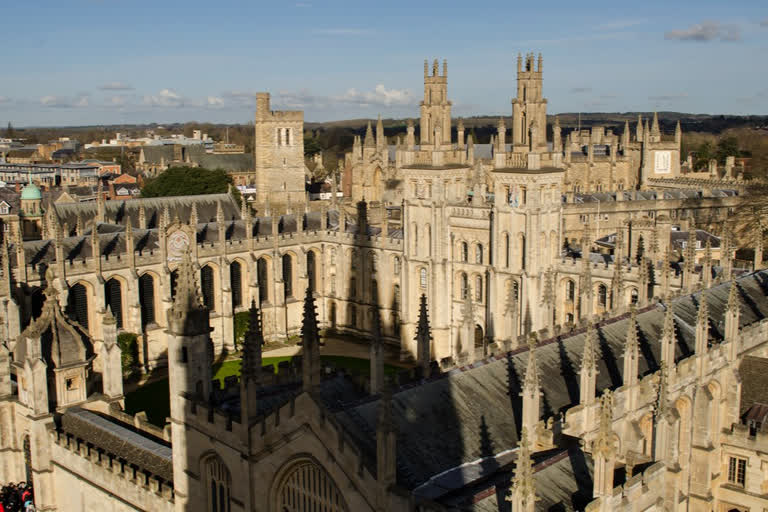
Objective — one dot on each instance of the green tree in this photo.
(727, 146)
(129, 352)
(184, 181)
(311, 146)
(242, 321)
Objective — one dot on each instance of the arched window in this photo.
(479, 254)
(464, 252)
(308, 487)
(174, 280)
(478, 289)
(77, 306)
(311, 271)
(570, 291)
(352, 288)
(464, 286)
(397, 265)
(218, 484)
(353, 259)
(236, 283)
(207, 287)
(423, 278)
(113, 298)
(288, 275)
(506, 249)
(522, 251)
(147, 300)
(602, 295)
(261, 275)
(27, 459)
(633, 295)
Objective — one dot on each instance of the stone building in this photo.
(550, 372)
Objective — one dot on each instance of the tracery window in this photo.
(236, 284)
(114, 300)
(288, 275)
(311, 271)
(464, 286)
(218, 484)
(602, 295)
(308, 488)
(479, 254)
(464, 252)
(423, 278)
(207, 287)
(478, 289)
(261, 275)
(397, 265)
(147, 299)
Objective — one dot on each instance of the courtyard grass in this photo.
(153, 398)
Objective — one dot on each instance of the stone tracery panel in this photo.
(308, 487)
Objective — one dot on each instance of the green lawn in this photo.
(153, 398)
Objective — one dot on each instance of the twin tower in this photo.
(529, 108)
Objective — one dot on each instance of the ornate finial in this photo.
(702, 316)
(548, 294)
(310, 333)
(661, 405)
(523, 491)
(369, 142)
(532, 369)
(589, 359)
(252, 343)
(50, 291)
(734, 303)
(631, 342)
(605, 443)
(193, 220)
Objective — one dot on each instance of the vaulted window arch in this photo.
(218, 482)
(236, 283)
(602, 295)
(77, 304)
(147, 299)
(307, 487)
(207, 287)
(262, 272)
(288, 275)
(113, 298)
(311, 271)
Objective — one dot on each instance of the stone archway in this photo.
(305, 486)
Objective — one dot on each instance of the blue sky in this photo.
(106, 61)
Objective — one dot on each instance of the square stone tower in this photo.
(278, 152)
(435, 108)
(529, 109)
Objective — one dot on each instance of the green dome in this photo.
(31, 192)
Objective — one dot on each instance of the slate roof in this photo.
(754, 382)
(453, 404)
(180, 206)
(118, 440)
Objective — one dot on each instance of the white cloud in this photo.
(116, 86)
(214, 101)
(79, 101)
(381, 96)
(165, 98)
(705, 32)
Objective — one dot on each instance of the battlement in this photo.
(263, 112)
(111, 471)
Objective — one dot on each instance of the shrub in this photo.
(129, 348)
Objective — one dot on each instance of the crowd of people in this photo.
(17, 498)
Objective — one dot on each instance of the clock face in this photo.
(178, 244)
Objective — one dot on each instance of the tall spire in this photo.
(639, 129)
(588, 372)
(369, 142)
(604, 451)
(678, 134)
(523, 489)
(531, 391)
(655, 131)
(252, 342)
(631, 354)
(423, 337)
(381, 140)
(668, 337)
(702, 325)
(310, 341)
(187, 315)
